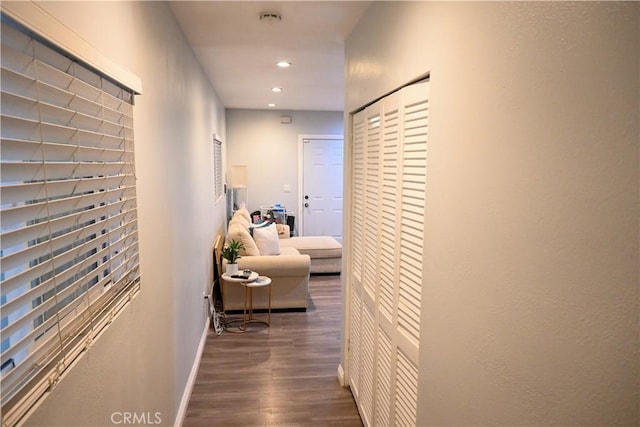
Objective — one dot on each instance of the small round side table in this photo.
(249, 284)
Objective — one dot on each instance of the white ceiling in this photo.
(239, 52)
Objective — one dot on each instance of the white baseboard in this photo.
(184, 402)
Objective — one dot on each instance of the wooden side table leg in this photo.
(244, 308)
(269, 316)
(250, 303)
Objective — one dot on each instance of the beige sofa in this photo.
(289, 271)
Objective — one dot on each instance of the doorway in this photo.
(321, 185)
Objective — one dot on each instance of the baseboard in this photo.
(186, 395)
(273, 310)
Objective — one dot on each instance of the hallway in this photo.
(282, 375)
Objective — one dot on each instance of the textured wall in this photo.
(530, 295)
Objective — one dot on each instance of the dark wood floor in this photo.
(284, 375)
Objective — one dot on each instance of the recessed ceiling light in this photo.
(272, 105)
(283, 64)
(276, 89)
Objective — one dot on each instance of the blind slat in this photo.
(33, 130)
(15, 304)
(16, 237)
(28, 275)
(119, 249)
(15, 216)
(15, 193)
(38, 171)
(88, 227)
(12, 150)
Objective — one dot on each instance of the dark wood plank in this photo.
(283, 375)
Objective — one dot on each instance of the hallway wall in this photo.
(142, 362)
(531, 286)
(270, 149)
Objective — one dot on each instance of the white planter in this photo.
(232, 269)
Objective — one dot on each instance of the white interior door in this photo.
(322, 187)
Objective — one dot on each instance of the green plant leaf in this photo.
(231, 252)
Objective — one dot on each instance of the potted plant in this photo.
(231, 252)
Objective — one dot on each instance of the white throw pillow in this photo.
(266, 239)
(252, 227)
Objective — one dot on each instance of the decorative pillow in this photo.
(266, 239)
(283, 231)
(239, 233)
(245, 213)
(261, 225)
(239, 219)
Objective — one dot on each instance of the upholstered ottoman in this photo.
(325, 252)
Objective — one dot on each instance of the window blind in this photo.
(217, 162)
(69, 244)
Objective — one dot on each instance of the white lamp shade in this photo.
(238, 176)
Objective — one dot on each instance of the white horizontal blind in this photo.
(217, 166)
(69, 245)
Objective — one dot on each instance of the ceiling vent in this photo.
(270, 17)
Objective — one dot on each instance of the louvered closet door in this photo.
(357, 229)
(386, 342)
(389, 190)
(371, 250)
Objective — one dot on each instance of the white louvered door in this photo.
(357, 227)
(389, 164)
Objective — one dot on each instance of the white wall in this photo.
(142, 362)
(530, 295)
(270, 149)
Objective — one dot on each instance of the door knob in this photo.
(306, 197)
(306, 205)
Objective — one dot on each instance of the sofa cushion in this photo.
(315, 246)
(288, 250)
(239, 233)
(266, 239)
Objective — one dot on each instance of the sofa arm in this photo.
(289, 283)
(277, 265)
